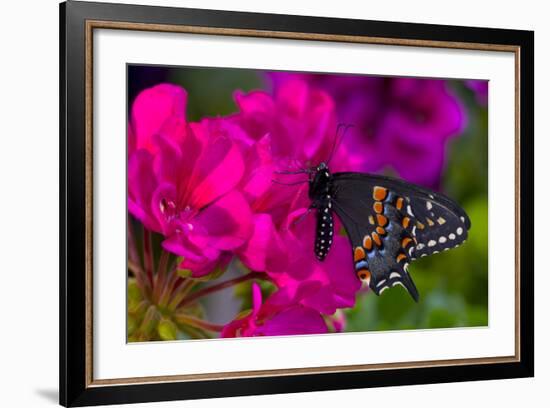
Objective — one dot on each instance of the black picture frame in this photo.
(77, 387)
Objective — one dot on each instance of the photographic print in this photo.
(249, 201)
(268, 203)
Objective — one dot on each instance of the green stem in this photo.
(222, 285)
(183, 318)
(132, 250)
(161, 274)
(141, 279)
(168, 287)
(148, 255)
(180, 293)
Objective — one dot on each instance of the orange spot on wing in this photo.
(406, 221)
(380, 231)
(376, 239)
(399, 203)
(420, 225)
(358, 254)
(406, 241)
(378, 207)
(382, 221)
(367, 242)
(364, 274)
(379, 193)
(401, 257)
(430, 222)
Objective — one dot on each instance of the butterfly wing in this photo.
(390, 223)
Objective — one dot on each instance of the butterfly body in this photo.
(389, 223)
(321, 194)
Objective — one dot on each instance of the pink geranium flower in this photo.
(293, 129)
(157, 109)
(275, 319)
(299, 119)
(298, 126)
(324, 286)
(182, 184)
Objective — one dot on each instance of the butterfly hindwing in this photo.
(390, 223)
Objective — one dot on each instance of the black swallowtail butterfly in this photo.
(389, 222)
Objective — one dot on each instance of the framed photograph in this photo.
(256, 204)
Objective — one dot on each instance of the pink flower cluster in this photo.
(208, 188)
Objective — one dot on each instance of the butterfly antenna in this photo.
(302, 171)
(289, 184)
(338, 140)
(295, 164)
(302, 217)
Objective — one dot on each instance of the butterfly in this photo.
(389, 222)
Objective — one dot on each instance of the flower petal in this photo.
(225, 224)
(151, 108)
(217, 170)
(296, 320)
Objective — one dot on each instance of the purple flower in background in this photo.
(399, 123)
(481, 90)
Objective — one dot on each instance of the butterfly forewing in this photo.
(390, 223)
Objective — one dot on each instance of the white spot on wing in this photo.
(452, 236)
(381, 282)
(431, 243)
(428, 205)
(459, 230)
(442, 240)
(394, 275)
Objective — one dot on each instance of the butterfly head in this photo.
(319, 181)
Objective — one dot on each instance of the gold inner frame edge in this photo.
(98, 24)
